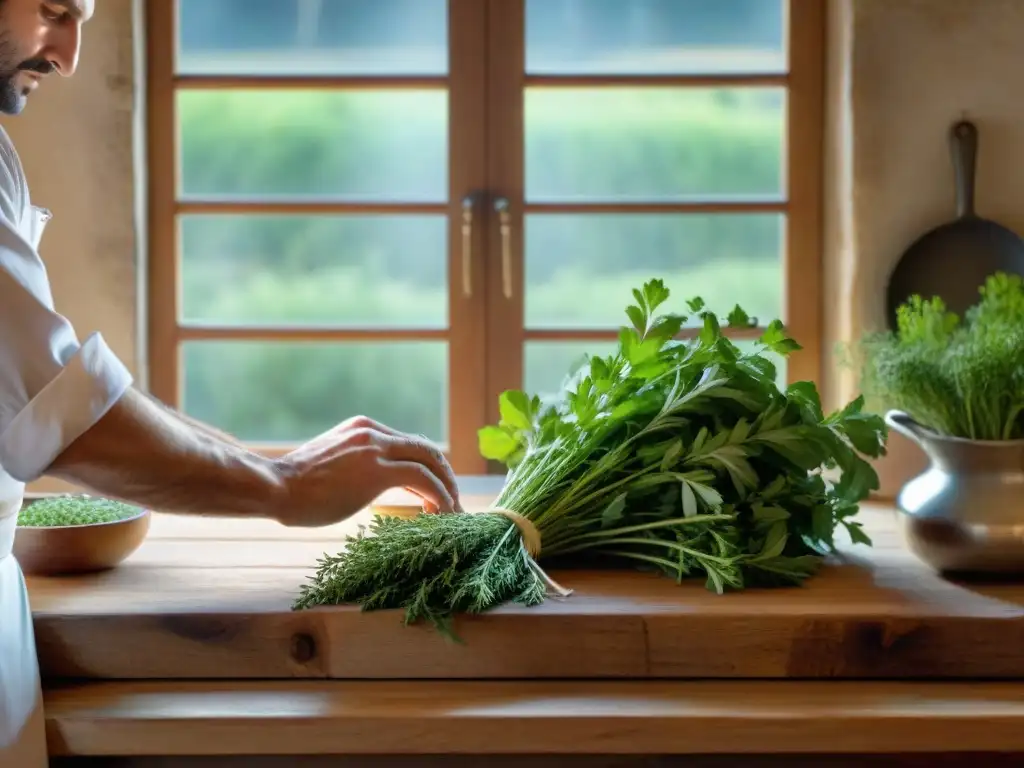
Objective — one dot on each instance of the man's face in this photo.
(37, 37)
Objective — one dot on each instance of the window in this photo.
(403, 207)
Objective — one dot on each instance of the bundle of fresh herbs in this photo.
(679, 456)
(961, 378)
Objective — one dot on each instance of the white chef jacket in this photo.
(52, 389)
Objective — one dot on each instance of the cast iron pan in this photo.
(952, 261)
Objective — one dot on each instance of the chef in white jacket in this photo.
(68, 407)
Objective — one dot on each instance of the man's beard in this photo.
(12, 95)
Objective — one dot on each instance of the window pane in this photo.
(654, 36)
(289, 392)
(581, 268)
(362, 145)
(312, 37)
(383, 271)
(653, 144)
(546, 364)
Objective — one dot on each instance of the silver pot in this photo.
(966, 511)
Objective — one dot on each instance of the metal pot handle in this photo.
(904, 424)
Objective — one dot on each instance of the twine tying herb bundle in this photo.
(678, 456)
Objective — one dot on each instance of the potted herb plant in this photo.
(955, 387)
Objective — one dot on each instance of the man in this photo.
(68, 408)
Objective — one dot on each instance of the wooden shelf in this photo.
(452, 718)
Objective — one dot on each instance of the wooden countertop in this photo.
(211, 598)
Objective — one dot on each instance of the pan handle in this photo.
(963, 142)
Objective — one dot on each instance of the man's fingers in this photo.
(357, 423)
(420, 480)
(398, 445)
(406, 448)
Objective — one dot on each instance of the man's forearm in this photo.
(199, 426)
(141, 453)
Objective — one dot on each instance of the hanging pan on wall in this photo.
(953, 260)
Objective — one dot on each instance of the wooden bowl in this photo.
(71, 549)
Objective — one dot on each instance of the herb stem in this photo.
(677, 522)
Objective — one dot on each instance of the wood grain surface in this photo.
(211, 598)
(542, 717)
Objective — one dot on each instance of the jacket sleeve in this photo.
(52, 387)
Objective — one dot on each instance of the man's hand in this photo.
(341, 471)
(145, 454)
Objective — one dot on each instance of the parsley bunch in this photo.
(678, 456)
(961, 378)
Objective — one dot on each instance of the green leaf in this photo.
(496, 443)
(636, 316)
(774, 488)
(761, 367)
(600, 372)
(857, 534)
(867, 434)
(740, 431)
(821, 523)
(667, 327)
(689, 500)
(738, 318)
(733, 460)
(628, 339)
(642, 352)
(641, 300)
(655, 294)
(514, 406)
(799, 445)
(857, 481)
(769, 513)
(746, 399)
(613, 513)
(625, 409)
(673, 453)
(805, 395)
(698, 441)
(775, 542)
(711, 497)
(650, 368)
(775, 338)
(711, 330)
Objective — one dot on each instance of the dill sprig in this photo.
(679, 456)
(961, 378)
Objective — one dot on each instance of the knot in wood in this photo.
(303, 648)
